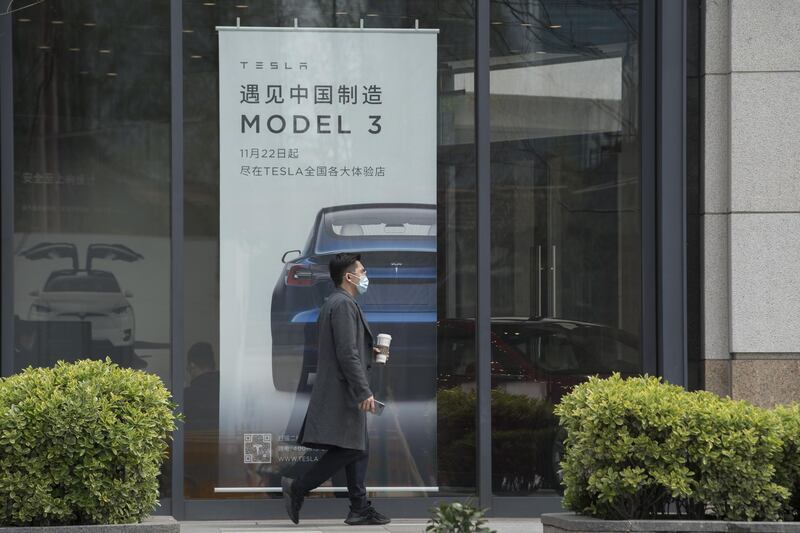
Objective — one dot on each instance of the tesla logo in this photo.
(396, 266)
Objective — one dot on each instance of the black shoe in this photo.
(292, 501)
(368, 517)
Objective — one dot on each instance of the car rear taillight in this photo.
(299, 275)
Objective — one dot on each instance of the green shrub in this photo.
(81, 443)
(639, 448)
(788, 470)
(731, 452)
(457, 518)
(621, 457)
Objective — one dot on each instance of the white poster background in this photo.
(261, 217)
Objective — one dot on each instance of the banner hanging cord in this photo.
(239, 20)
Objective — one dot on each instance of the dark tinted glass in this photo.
(91, 183)
(566, 219)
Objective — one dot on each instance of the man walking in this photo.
(336, 419)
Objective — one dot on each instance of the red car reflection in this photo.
(538, 358)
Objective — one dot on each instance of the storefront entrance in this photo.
(119, 243)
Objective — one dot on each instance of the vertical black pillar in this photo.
(176, 245)
(648, 127)
(6, 197)
(483, 210)
(671, 189)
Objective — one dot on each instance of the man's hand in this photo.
(376, 351)
(368, 405)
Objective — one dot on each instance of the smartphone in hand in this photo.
(379, 407)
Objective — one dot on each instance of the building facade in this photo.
(614, 191)
(748, 205)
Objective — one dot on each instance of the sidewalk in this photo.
(501, 525)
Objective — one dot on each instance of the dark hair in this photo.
(201, 354)
(341, 264)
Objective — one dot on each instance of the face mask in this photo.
(363, 283)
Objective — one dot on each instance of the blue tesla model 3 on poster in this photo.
(397, 243)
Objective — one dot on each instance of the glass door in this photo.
(566, 220)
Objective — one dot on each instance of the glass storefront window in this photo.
(566, 219)
(92, 206)
(91, 184)
(401, 455)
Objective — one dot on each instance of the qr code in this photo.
(257, 448)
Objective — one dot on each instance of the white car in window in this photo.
(86, 295)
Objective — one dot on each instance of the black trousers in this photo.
(334, 459)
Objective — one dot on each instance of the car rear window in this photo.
(377, 228)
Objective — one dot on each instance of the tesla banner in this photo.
(327, 145)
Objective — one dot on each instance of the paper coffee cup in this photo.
(383, 342)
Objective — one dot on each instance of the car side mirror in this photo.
(128, 294)
(287, 256)
(34, 293)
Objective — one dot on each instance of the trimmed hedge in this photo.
(639, 448)
(788, 470)
(81, 443)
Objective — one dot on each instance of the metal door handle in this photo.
(539, 281)
(554, 270)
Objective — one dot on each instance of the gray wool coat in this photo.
(345, 358)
